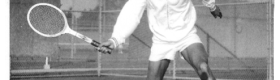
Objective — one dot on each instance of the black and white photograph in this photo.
(141, 39)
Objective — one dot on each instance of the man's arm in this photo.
(214, 9)
(127, 21)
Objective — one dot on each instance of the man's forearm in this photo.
(128, 20)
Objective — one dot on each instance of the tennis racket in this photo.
(49, 21)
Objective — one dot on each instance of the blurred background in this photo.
(240, 44)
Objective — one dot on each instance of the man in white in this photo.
(172, 24)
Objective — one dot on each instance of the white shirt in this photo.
(169, 20)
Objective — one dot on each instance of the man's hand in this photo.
(215, 11)
(104, 46)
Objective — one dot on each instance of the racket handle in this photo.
(95, 43)
(101, 49)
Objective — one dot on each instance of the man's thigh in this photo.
(195, 53)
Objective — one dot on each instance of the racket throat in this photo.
(79, 35)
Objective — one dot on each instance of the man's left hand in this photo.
(216, 12)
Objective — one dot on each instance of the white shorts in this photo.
(161, 51)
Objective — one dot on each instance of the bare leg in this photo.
(157, 69)
(197, 57)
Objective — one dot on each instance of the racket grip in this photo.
(105, 49)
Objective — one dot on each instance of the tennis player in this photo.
(172, 24)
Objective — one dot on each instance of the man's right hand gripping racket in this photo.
(49, 21)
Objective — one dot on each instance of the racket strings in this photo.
(47, 20)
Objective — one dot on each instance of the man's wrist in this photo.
(115, 42)
(213, 8)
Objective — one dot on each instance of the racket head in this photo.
(47, 20)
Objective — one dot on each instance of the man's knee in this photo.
(203, 66)
(200, 61)
(200, 65)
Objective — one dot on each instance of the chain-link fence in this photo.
(239, 44)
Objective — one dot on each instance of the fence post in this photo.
(72, 37)
(208, 43)
(100, 36)
(174, 69)
(270, 41)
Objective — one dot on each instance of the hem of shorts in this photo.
(178, 52)
(188, 46)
